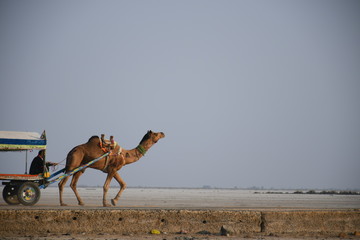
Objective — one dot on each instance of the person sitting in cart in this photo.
(38, 164)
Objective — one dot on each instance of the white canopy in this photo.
(12, 141)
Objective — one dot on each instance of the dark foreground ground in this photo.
(171, 237)
(184, 214)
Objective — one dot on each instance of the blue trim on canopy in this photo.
(22, 141)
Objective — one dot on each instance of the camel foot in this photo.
(63, 204)
(114, 202)
(81, 204)
(106, 205)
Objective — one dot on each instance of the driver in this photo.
(38, 164)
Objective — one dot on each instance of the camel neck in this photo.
(141, 149)
(132, 155)
(135, 154)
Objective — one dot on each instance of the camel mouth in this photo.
(162, 135)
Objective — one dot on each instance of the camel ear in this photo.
(149, 131)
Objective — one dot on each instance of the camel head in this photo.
(151, 138)
(157, 136)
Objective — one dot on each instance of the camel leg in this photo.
(122, 188)
(61, 189)
(106, 188)
(73, 183)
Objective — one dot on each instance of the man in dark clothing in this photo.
(38, 164)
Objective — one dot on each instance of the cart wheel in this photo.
(10, 194)
(28, 193)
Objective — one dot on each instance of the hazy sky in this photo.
(248, 93)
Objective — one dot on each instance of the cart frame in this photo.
(25, 188)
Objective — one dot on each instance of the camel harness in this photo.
(108, 146)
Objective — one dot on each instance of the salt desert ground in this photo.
(198, 199)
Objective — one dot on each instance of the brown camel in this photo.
(118, 158)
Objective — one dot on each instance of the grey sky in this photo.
(248, 93)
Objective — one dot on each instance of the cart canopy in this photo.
(21, 141)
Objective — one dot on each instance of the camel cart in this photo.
(25, 188)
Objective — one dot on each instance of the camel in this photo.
(118, 158)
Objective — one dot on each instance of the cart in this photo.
(25, 188)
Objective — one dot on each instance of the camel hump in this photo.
(93, 138)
